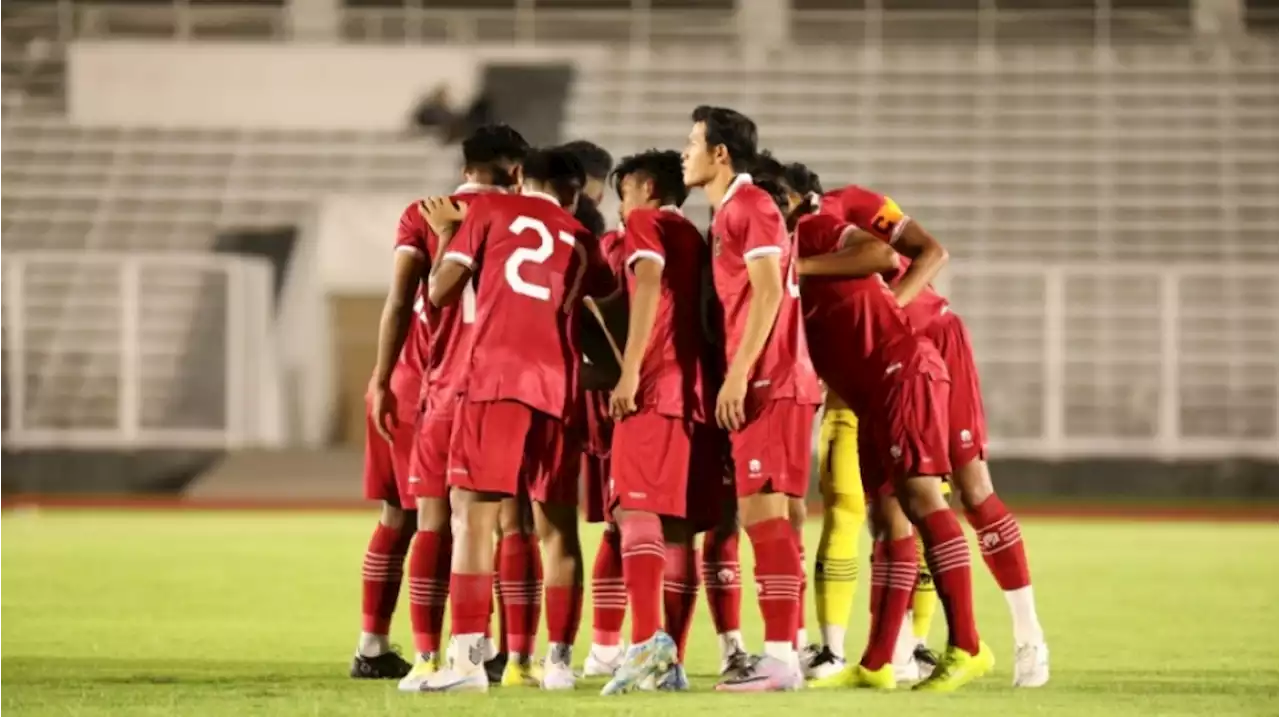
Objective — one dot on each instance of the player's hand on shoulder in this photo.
(442, 213)
(622, 402)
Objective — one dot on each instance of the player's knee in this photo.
(797, 513)
(760, 507)
(393, 516)
(433, 514)
(973, 482)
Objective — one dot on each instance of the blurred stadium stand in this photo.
(1104, 174)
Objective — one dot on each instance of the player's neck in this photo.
(719, 186)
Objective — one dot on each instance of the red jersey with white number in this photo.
(748, 226)
(442, 347)
(532, 262)
(862, 341)
(880, 216)
(671, 371)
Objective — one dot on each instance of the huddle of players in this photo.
(486, 299)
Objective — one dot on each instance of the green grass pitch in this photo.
(237, 614)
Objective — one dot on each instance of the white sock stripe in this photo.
(998, 524)
(949, 565)
(641, 550)
(684, 588)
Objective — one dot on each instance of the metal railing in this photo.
(139, 351)
(1085, 360)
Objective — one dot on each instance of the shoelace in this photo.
(825, 657)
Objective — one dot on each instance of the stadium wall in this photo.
(254, 86)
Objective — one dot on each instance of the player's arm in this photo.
(927, 256)
(647, 267)
(857, 254)
(393, 324)
(457, 262)
(764, 272)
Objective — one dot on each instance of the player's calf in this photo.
(381, 575)
(475, 517)
(557, 527)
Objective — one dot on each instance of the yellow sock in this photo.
(844, 512)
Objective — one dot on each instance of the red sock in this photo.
(608, 592)
(680, 592)
(722, 575)
(520, 584)
(948, 556)
(777, 577)
(643, 558)
(471, 598)
(380, 577)
(879, 554)
(564, 613)
(428, 588)
(893, 579)
(1000, 539)
(500, 608)
(804, 586)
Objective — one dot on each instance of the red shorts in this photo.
(598, 439)
(429, 463)
(509, 448)
(908, 436)
(386, 465)
(967, 421)
(772, 451)
(710, 488)
(650, 464)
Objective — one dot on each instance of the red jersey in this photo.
(748, 225)
(880, 216)
(671, 372)
(861, 337)
(532, 262)
(612, 248)
(441, 340)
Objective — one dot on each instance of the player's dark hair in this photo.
(732, 129)
(493, 148)
(589, 216)
(767, 166)
(595, 159)
(557, 167)
(662, 167)
(801, 179)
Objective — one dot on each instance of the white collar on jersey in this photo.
(815, 200)
(671, 208)
(738, 181)
(477, 188)
(540, 195)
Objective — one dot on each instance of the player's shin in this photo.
(680, 586)
(947, 554)
(520, 588)
(381, 574)
(557, 527)
(836, 570)
(722, 575)
(777, 572)
(609, 605)
(470, 591)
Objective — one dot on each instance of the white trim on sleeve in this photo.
(408, 247)
(639, 254)
(897, 231)
(459, 257)
(845, 235)
(761, 251)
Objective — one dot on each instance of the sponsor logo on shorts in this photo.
(895, 452)
(762, 383)
(415, 479)
(459, 471)
(754, 467)
(638, 495)
(966, 438)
